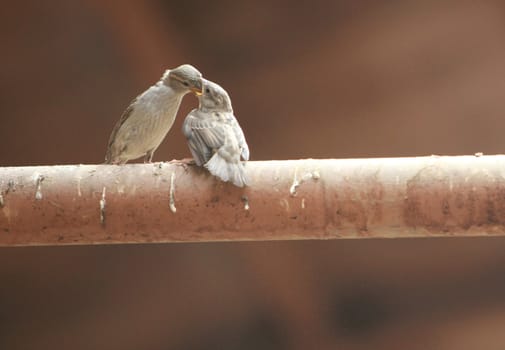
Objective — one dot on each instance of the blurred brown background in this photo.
(326, 79)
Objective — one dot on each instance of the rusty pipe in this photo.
(294, 199)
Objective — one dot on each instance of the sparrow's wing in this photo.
(202, 134)
(210, 129)
(239, 134)
(126, 114)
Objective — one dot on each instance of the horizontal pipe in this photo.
(294, 199)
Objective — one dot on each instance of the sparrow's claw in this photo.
(185, 163)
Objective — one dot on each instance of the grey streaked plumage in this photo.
(215, 138)
(149, 117)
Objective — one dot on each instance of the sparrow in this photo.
(214, 136)
(149, 117)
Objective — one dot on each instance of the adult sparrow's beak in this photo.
(197, 87)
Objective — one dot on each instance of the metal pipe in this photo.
(295, 199)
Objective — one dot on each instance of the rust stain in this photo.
(441, 201)
(359, 206)
(7, 213)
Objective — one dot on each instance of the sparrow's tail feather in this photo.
(227, 171)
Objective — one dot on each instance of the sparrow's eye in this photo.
(185, 83)
(207, 90)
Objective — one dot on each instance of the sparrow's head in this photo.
(184, 78)
(214, 97)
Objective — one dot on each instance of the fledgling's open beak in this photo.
(197, 88)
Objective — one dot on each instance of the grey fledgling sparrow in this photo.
(149, 117)
(214, 136)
